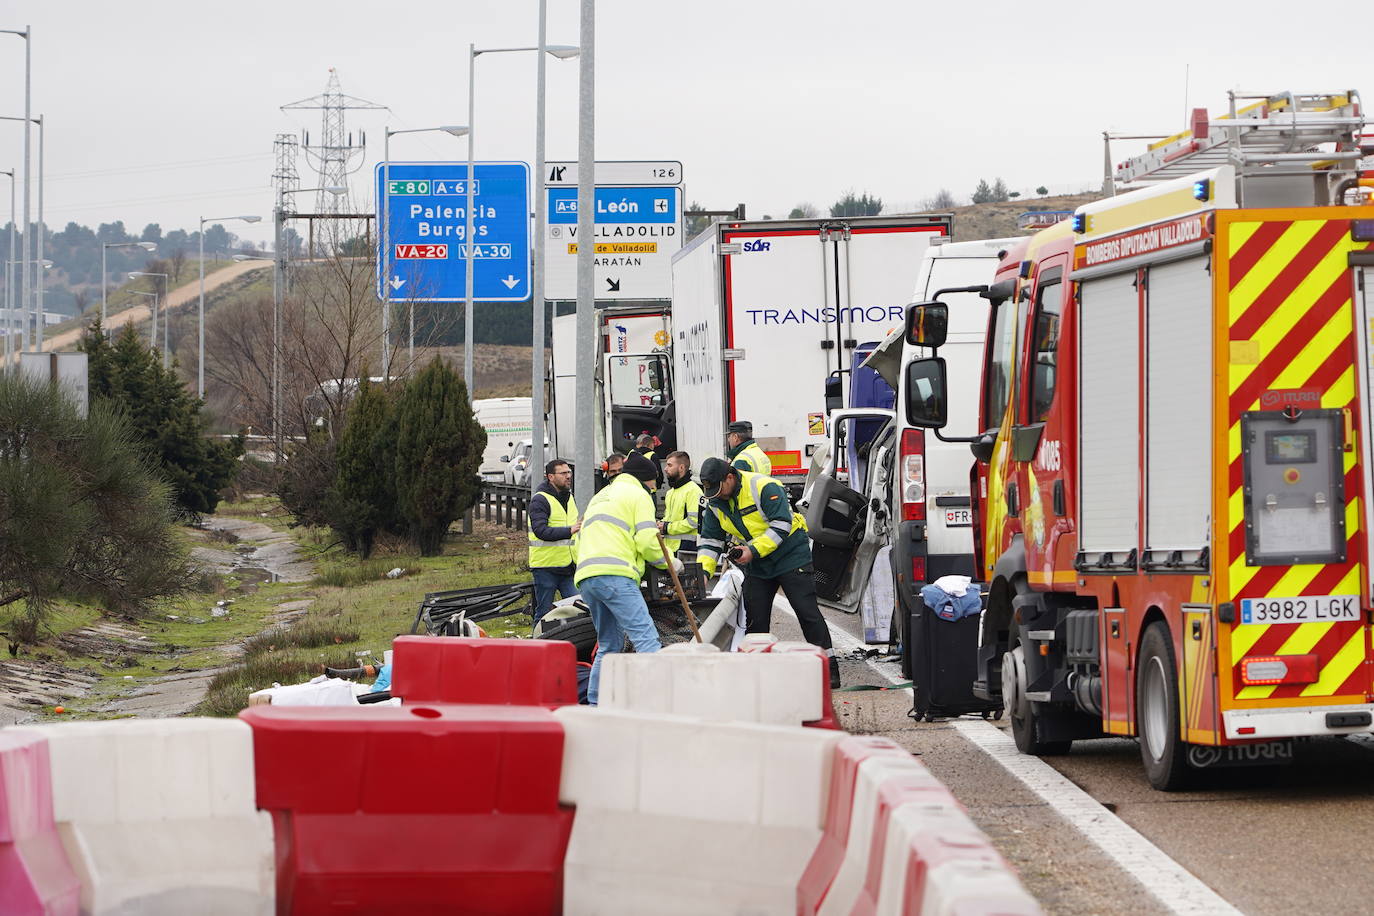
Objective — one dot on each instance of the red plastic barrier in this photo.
(35, 876)
(829, 854)
(456, 669)
(827, 719)
(413, 809)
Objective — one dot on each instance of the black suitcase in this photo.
(944, 664)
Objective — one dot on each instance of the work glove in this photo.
(678, 566)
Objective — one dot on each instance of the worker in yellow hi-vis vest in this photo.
(553, 524)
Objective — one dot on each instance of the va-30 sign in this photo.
(424, 255)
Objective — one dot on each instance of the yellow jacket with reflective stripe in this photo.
(553, 553)
(681, 511)
(751, 458)
(619, 533)
(762, 520)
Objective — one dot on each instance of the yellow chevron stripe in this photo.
(1270, 264)
(1243, 637)
(1341, 666)
(1240, 234)
(1328, 340)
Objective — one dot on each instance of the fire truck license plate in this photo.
(1304, 609)
(958, 518)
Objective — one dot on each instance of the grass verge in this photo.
(358, 610)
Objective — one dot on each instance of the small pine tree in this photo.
(856, 205)
(999, 191)
(438, 448)
(1042, 190)
(164, 416)
(360, 500)
(983, 193)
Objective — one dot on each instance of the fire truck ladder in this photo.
(1282, 134)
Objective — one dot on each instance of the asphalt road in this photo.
(1269, 841)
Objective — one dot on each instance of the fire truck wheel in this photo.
(1025, 724)
(1162, 750)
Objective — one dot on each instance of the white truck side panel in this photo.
(787, 294)
(1178, 409)
(565, 385)
(1109, 414)
(698, 372)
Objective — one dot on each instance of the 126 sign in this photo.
(421, 252)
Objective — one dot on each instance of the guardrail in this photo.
(505, 503)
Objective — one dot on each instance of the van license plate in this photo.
(958, 518)
(1303, 609)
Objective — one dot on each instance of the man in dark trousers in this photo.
(553, 523)
(774, 550)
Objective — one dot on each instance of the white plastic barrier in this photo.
(158, 816)
(678, 815)
(689, 679)
(872, 775)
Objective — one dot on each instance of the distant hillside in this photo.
(992, 221)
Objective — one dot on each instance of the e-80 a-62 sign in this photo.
(423, 255)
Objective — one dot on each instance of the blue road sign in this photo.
(427, 205)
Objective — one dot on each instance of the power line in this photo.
(154, 167)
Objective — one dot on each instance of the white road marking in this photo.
(1170, 883)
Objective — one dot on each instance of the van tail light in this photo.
(1279, 669)
(918, 569)
(913, 479)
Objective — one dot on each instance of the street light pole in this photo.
(9, 290)
(387, 257)
(562, 52)
(586, 247)
(27, 35)
(467, 231)
(537, 265)
(37, 305)
(167, 320)
(104, 276)
(200, 329)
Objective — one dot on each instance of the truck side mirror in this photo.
(927, 401)
(927, 324)
(834, 393)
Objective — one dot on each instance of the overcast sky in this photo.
(165, 110)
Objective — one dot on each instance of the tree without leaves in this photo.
(860, 205)
(176, 264)
(438, 448)
(943, 200)
(999, 191)
(804, 210)
(82, 512)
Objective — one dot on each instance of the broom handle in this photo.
(677, 587)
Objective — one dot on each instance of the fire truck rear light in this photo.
(1279, 669)
(1245, 730)
(1202, 189)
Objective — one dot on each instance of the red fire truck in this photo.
(1172, 492)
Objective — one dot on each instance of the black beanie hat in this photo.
(636, 465)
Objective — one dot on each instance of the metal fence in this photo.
(504, 503)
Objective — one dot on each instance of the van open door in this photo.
(848, 527)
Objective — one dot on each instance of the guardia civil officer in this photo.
(775, 551)
(743, 452)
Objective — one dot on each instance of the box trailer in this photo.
(768, 317)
